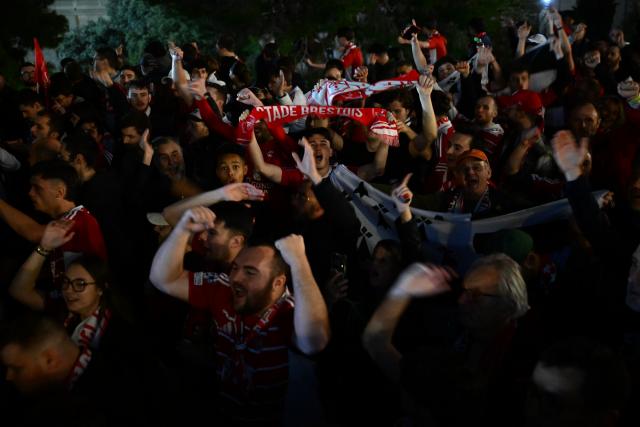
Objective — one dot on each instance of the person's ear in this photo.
(488, 171)
(279, 282)
(245, 170)
(237, 241)
(61, 191)
(50, 359)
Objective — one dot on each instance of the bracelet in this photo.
(42, 251)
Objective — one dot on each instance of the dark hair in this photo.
(318, 131)
(29, 98)
(278, 264)
(271, 50)
(517, 68)
(97, 268)
(241, 71)
(229, 148)
(56, 122)
(60, 87)
(155, 48)
(137, 120)
(403, 97)
(346, 32)
(441, 102)
(334, 63)
(226, 41)
(133, 68)
(237, 217)
(26, 64)
(81, 143)
(393, 247)
(431, 23)
(73, 71)
(606, 383)
(139, 84)
(378, 48)
(60, 170)
(30, 330)
(109, 54)
(198, 63)
(66, 61)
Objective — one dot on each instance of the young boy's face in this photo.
(231, 169)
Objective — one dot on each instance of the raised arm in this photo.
(177, 74)
(376, 167)
(429, 126)
(268, 170)
(523, 34)
(167, 270)
(418, 57)
(232, 192)
(310, 315)
(23, 286)
(418, 280)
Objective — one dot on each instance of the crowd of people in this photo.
(174, 247)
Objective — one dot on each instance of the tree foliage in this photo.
(21, 22)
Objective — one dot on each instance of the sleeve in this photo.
(291, 177)
(213, 122)
(207, 291)
(284, 139)
(88, 237)
(7, 161)
(410, 240)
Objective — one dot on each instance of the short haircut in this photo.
(97, 268)
(133, 68)
(346, 32)
(139, 84)
(271, 50)
(275, 73)
(477, 24)
(137, 120)
(226, 41)
(163, 140)
(227, 148)
(404, 97)
(334, 63)
(61, 87)
(61, 171)
(109, 54)
(56, 122)
(26, 64)
(511, 284)
(81, 143)
(31, 330)
(28, 98)
(95, 119)
(73, 71)
(237, 217)
(606, 384)
(431, 23)
(518, 68)
(318, 131)
(278, 264)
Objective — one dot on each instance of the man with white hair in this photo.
(441, 379)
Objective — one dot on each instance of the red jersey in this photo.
(251, 351)
(437, 47)
(352, 57)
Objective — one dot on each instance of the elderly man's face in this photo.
(170, 161)
(475, 174)
(585, 121)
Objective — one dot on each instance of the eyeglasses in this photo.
(77, 285)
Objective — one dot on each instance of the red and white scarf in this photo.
(326, 92)
(378, 120)
(90, 331)
(82, 362)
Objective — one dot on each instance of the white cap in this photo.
(156, 218)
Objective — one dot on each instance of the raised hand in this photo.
(425, 84)
(176, 53)
(463, 68)
(198, 88)
(421, 280)
(524, 30)
(56, 234)
(292, 249)
(308, 163)
(246, 96)
(401, 195)
(485, 56)
(241, 191)
(197, 219)
(569, 155)
(361, 73)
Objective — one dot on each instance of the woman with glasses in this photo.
(87, 310)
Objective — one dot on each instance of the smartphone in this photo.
(409, 32)
(339, 263)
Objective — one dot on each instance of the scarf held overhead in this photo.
(378, 120)
(328, 91)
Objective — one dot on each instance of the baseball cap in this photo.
(474, 153)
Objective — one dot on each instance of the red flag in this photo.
(41, 75)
